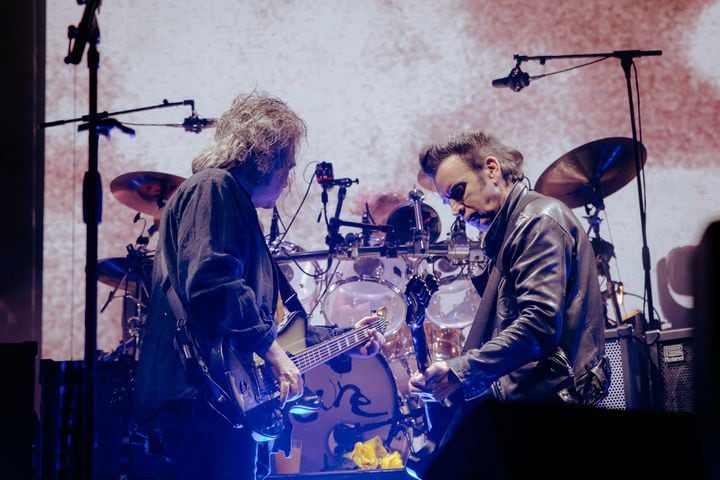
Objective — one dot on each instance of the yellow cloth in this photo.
(371, 455)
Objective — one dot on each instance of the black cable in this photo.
(629, 294)
(535, 77)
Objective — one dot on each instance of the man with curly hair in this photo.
(213, 257)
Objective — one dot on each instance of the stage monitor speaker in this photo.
(623, 350)
(673, 363)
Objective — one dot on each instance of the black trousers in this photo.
(198, 443)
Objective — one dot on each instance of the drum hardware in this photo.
(132, 274)
(456, 252)
(346, 435)
(404, 222)
(604, 251)
(586, 176)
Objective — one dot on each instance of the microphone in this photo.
(195, 124)
(516, 80)
(324, 174)
(274, 230)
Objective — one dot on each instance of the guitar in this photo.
(417, 296)
(250, 391)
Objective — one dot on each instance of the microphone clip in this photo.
(518, 79)
(195, 124)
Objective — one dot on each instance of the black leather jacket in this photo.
(543, 333)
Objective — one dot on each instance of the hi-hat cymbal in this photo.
(403, 221)
(591, 172)
(146, 192)
(115, 271)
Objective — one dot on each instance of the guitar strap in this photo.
(191, 353)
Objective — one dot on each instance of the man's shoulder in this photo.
(210, 175)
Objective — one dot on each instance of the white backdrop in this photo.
(375, 80)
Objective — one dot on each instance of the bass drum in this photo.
(356, 406)
(301, 275)
(366, 284)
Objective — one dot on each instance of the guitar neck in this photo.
(419, 339)
(329, 349)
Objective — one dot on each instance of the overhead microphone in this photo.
(516, 80)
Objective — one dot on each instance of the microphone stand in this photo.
(626, 61)
(88, 33)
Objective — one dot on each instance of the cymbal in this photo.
(591, 172)
(403, 221)
(146, 192)
(114, 271)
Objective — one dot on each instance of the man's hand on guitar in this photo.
(286, 373)
(434, 384)
(375, 339)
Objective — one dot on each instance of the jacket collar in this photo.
(496, 232)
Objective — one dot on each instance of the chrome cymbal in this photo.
(145, 192)
(116, 271)
(591, 172)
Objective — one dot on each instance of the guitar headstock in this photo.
(382, 323)
(418, 292)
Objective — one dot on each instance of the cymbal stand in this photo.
(604, 251)
(627, 61)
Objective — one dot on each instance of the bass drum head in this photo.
(366, 284)
(356, 406)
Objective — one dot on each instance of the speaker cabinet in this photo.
(626, 380)
(672, 369)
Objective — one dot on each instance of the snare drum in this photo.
(301, 276)
(356, 406)
(366, 284)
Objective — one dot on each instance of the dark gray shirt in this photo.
(220, 266)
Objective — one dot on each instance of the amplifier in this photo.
(672, 369)
(626, 379)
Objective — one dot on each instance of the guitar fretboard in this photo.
(329, 349)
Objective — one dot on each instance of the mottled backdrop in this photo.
(375, 80)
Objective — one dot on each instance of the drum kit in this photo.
(372, 398)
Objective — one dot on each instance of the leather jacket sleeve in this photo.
(531, 301)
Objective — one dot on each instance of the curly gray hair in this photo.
(259, 134)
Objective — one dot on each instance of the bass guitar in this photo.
(246, 392)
